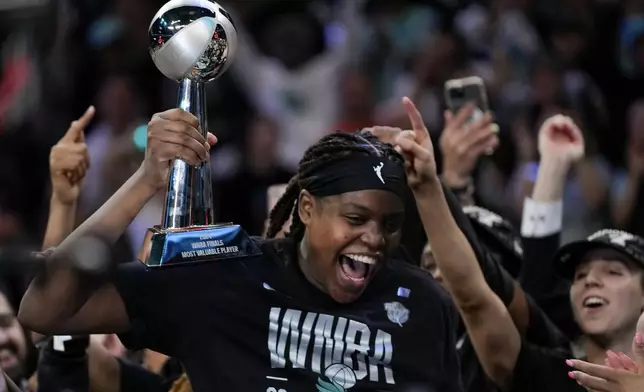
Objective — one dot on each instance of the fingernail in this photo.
(495, 128)
(207, 146)
(639, 340)
(571, 375)
(569, 362)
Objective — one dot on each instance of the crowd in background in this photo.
(306, 68)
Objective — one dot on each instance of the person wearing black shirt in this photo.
(72, 363)
(607, 296)
(503, 255)
(325, 308)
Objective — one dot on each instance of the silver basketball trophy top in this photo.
(192, 42)
(192, 39)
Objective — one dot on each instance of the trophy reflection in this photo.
(192, 42)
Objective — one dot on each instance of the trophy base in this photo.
(195, 244)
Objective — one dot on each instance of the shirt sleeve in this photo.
(155, 304)
(540, 234)
(539, 369)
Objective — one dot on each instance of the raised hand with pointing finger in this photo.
(416, 147)
(69, 160)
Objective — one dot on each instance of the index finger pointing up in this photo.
(416, 120)
(87, 116)
(75, 132)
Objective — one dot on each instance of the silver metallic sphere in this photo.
(192, 39)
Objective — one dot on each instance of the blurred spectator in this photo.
(391, 36)
(439, 59)
(356, 101)
(119, 109)
(515, 47)
(13, 342)
(628, 187)
(241, 188)
(288, 72)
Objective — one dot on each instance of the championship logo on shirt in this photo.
(337, 378)
(343, 352)
(397, 313)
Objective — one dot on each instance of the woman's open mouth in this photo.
(357, 267)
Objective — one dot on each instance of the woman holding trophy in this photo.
(327, 308)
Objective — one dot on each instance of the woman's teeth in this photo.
(363, 259)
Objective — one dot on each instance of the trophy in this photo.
(192, 42)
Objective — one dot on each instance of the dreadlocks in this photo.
(328, 150)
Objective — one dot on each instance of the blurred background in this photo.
(309, 67)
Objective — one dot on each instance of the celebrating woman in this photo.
(327, 307)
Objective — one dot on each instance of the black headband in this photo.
(357, 173)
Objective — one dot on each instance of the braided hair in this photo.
(328, 150)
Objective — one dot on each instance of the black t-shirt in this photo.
(540, 332)
(256, 324)
(62, 365)
(541, 369)
(539, 279)
(134, 378)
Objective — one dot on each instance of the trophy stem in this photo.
(188, 200)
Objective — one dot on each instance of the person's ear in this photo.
(306, 207)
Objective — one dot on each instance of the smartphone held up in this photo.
(468, 91)
(463, 91)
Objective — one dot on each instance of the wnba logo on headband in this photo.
(378, 170)
(355, 173)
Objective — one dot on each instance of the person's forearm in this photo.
(497, 345)
(451, 249)
(113, 218)
(551, 180)
(60, 223)
(59, 290)
(543, 211)
(623, 206)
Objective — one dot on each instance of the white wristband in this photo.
(541, 219)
